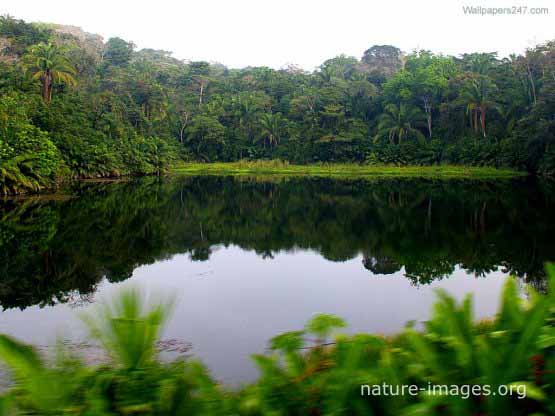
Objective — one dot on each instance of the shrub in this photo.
(314, 371)
(29, 160)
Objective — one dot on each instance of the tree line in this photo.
(72, 105)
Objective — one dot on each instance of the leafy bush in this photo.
(451, 350)
(310, 371)
(507, 153)
(133, 383)
(29, 160)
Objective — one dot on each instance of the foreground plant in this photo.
(134, 381)
(315, 371)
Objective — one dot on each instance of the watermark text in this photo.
(464, 391)
(505, 11)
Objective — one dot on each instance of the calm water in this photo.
(249, 259)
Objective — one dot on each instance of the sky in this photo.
(275, 33)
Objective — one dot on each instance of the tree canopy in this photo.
(108, 109)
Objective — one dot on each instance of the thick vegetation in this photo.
(72, 105)
(308, 372)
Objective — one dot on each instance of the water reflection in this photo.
(58, 249)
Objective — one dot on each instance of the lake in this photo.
(250, 258)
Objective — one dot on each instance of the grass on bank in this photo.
(280, 168)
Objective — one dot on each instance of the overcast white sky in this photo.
(303, 32)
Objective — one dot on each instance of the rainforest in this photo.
(75, 106)
(182, 237)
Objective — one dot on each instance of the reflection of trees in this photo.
(380, 265)
(50, 249)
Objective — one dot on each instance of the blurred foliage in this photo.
(133, 382)
(302, 375)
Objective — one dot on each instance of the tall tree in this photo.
(477, 94)
(399, 123)
(422, 82)
(206, 134)
(199, 72)
(47, 63)
(271, 126)
(118, 52)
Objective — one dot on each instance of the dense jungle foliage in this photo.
(315, 371)
(58, 249)
(72, 105)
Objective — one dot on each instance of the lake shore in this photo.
(244, 168)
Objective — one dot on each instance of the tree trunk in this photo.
(428, 110)
(483, 121)
(201, 93)
(47, 86)
(183, 126)
(531, 79)
(181, 133)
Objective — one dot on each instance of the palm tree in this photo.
(508, 116)
(476, 95)
(46, 63)
(271, 125)
(480, 63)
(130, 327)
(246, 111)
(326, 74)
(398, 123)
(18, 175)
